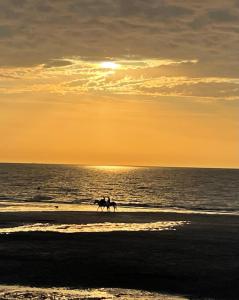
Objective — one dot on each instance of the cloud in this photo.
(45, 30)
(220, 15)
(56, 46)
(57, 63)
(156, 78)
(5, 32)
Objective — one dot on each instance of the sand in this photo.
(198, 259)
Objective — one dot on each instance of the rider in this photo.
(108, 202)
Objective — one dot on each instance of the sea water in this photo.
(176, 189)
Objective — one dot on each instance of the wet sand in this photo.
(199, 259)
(24, 292)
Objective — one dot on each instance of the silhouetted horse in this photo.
(102, 203)
(113, 204)
(110, 203)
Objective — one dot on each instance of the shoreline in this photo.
(132, 216)
(11, 206)
(199, 259)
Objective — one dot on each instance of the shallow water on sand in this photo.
(94, 227)
(18, 292)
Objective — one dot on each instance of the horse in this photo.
(102, 203)
(113, 204)
(110, 203)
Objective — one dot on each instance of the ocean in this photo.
(166, 188)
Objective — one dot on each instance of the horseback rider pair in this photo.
(105, 203)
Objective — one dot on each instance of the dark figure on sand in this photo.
(111, 203)
(102, 203)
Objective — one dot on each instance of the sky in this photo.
(115, 82)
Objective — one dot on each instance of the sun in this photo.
(109, 65)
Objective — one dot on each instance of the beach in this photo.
(196, 256)
(119, 165)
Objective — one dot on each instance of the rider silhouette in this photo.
(108, 203)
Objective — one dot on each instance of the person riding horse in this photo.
(102, 203)
(108, 202)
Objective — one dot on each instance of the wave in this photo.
(4, 197)
(41, 197)
(46, 198)
(180, 207)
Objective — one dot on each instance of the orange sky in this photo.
(88, 84)
(119, 131)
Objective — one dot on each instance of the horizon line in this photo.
(121, 165)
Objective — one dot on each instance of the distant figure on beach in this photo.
(102, 203)
(108, 203)
(112, 203)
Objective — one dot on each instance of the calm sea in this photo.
(196, 189)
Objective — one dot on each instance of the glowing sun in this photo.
(109, 65)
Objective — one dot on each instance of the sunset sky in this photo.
(120, 82)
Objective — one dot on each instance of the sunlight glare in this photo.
(114, 169)
(109, 65)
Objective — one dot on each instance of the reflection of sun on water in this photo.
(115, 169)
